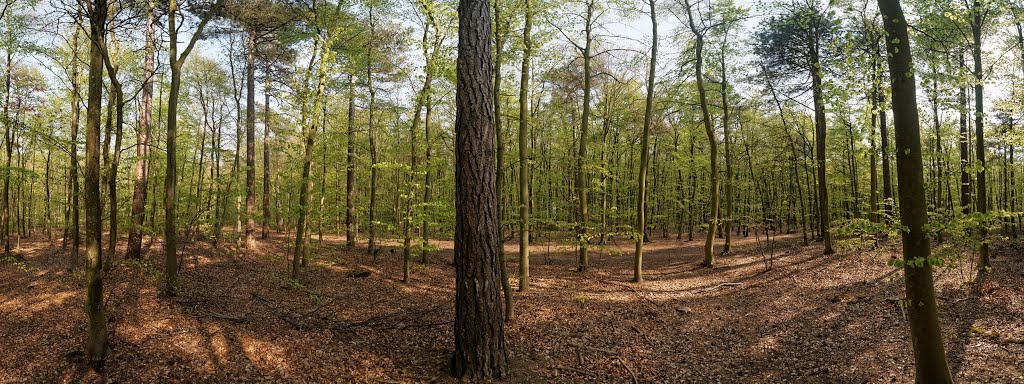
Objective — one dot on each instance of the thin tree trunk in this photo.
(265, 230)
(350, 169)
(371, 110)
(499, 172)
(981, 204)
(250, 140)
(582, 176)
(709, 242)
(641, 201)
(524, 153)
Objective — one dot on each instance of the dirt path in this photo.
(238, 319)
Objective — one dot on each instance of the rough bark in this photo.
(479, 325)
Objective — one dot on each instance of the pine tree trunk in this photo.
(250, 140)
(479, 325)
(142, 148)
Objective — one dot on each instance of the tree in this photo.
(177, 61)
(259, 20)
(641, 201)
(795, 44)
(979, 13)
(709, 242)
(96, 345)
(142, 147)
(926, 334)
(326, 32)
(479, 324)
(524, 152)
(500, 31)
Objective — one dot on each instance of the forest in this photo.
(522, 191)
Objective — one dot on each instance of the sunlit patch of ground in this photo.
(238, 318)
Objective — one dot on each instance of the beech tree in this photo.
(177, 61)
(926, 334)
(641, 201)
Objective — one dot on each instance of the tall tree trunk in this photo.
(309, 135)
(728, 155)
(142, 149)
(265, 230)
(965, 156)
(926, 334)
(499, 171)
(76, 107)
(8, 148)
(171, 173)
(981, 204)
(479, 326)
(117, 106)
(421, 101)
(371, 110)
(96, 346)
(350, 169)
(886, 168)
(524, 153)
(582, 176)
(171, 179)
(47, 213)
(641, 200)
(873, 99)
(819, 144)
(709, 242)
(250, 140)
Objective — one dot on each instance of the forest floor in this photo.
(237, 318)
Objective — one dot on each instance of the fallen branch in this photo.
(716, 287)
(269, 305)
(628, 368)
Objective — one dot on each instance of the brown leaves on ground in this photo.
(239, 319)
